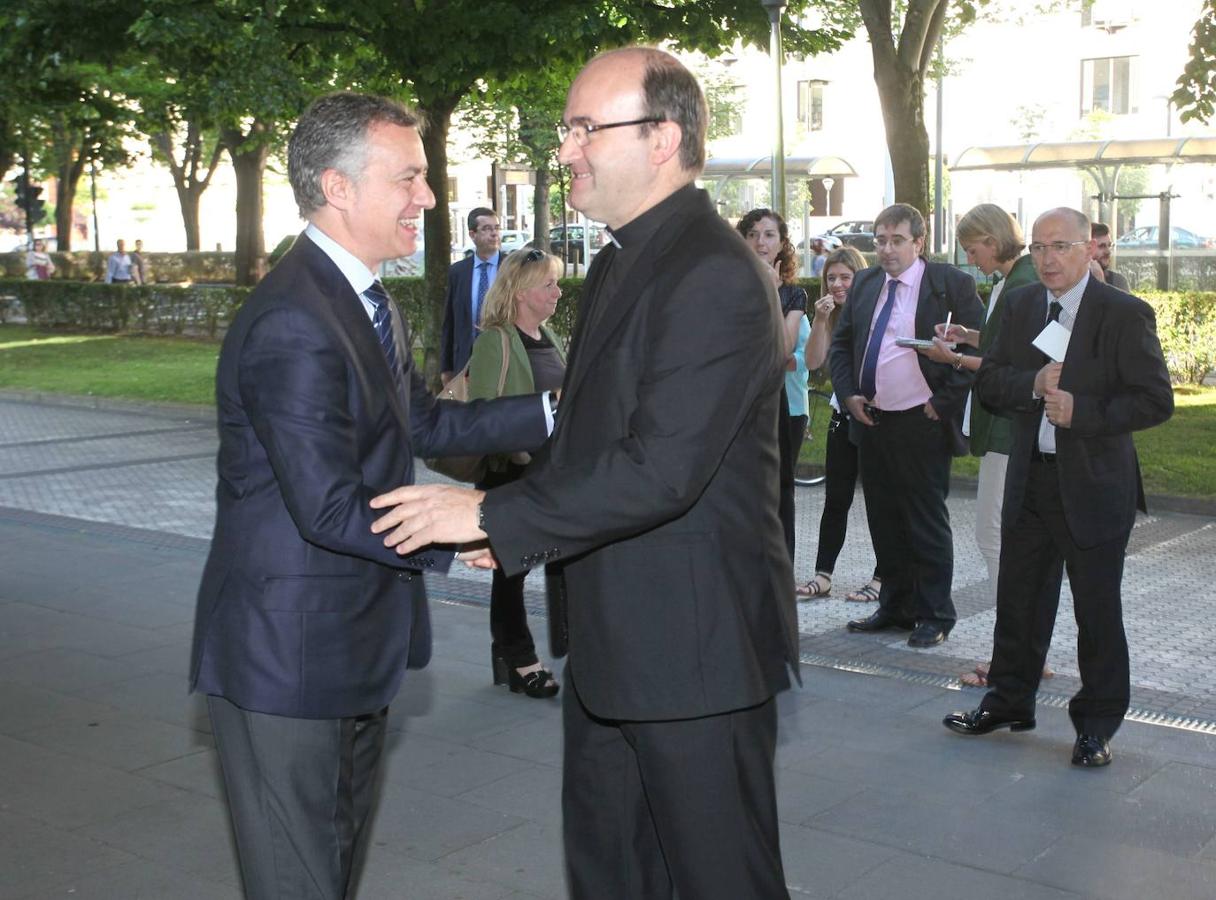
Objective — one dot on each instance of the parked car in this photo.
(1145, 238)
(831, 242)
(513, 240)
(557, 241)
(857, 233)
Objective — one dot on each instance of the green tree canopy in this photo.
(1196, 93)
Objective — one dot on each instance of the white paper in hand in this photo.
(1053, 340)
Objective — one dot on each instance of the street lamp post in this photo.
(774, 9)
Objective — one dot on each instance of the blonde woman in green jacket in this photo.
(521, 300)
(993, 242)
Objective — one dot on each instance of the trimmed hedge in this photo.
(205, 266)
(1186, 321)
(149, 309)
(1186, 327)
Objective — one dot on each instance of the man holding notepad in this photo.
(1078, 366)
(906, 416)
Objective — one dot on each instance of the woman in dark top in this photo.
(766, 233)
(840, 455)
(522, 298)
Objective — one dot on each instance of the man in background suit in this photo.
(906, 415)
(659, 492)
(468, 282)
(1073, 483)
(305, 621)
(1099, 254)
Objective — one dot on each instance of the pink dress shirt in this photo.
(898, 381)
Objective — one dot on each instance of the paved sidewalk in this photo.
(108, 785)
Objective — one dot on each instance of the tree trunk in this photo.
(189, 203)
(186, 178)
(248, 157)
(437, 226)
(899, 73)
(67, 180)
(902, 96)
(540, 208)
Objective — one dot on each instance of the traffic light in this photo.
(35, 206)
(29, 199)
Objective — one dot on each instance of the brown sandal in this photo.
(815, 589)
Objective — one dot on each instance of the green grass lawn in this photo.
(1178, 457)
(162, 370)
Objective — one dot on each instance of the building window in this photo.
(452, 192)
(810, 104)
(1109, 15)
(1107, 84)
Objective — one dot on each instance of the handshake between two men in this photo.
(419, 515)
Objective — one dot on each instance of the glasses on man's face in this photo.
(895, 243)
(1057, 248)
(582, 131)
(487, 229)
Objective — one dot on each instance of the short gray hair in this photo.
(332, 134)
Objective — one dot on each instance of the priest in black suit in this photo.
(1073, 484)
(659, 491)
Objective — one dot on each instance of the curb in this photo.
(1193, 506)
(113, 404)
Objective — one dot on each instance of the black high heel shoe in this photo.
(539, 684)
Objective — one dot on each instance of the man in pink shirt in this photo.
(905, 416)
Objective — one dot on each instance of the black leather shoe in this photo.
(926, 635)
(1091, 751)
(981, 721)
(879, 621)
(539, 684)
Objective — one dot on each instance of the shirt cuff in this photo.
(549, 405)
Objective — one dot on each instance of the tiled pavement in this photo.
(107, 777)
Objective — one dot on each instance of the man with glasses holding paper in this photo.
(1078, 366)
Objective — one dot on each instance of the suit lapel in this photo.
(1085, 327)
(339, 300)
(863, 315)
(579, 353)
(926, 309)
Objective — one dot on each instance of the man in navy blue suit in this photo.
(306, 622)
(468, 282)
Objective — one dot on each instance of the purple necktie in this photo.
(869, 368)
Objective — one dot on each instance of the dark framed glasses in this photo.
(582, 131)
(534, 255)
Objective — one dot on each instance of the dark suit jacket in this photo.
(943, 289)
(456, 338)
(659, 486)
(302, 610)
(991, 430)
(1117, 375)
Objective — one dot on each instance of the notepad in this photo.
(1053, 340)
